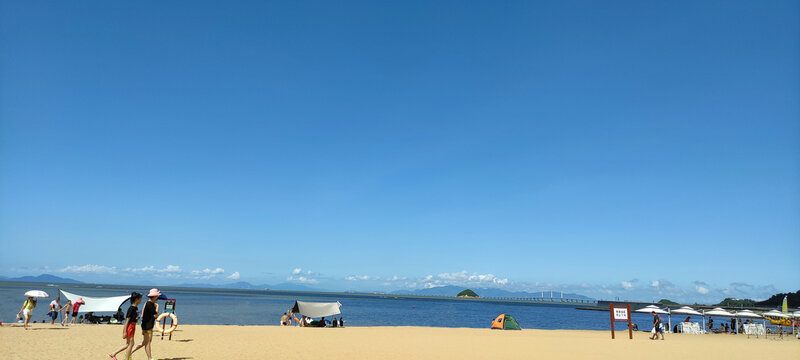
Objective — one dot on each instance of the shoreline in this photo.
(389, 342)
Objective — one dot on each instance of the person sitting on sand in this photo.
(284, 319)
(335, 323)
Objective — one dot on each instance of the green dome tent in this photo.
(505, 322)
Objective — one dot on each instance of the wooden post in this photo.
(611, 311)
(630, 330)
(163, 327)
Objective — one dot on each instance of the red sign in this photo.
(620, 314)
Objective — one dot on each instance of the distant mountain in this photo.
(248, 286)
(485, 293)
(45, 278)
(777, 300)
(291, 287)
(236, 285)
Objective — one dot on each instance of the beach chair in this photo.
(690, 328)
(754, 329)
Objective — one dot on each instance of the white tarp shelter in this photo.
(317, 309)
(97, 304)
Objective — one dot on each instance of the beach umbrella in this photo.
(685, 310)
(747, 314)
(36, 294)
(719, 312)
(716, 312)
(775, 313)
(650, 308)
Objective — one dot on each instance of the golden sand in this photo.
(274, 342)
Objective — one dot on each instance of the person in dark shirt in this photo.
(149, 315)
(129, 328)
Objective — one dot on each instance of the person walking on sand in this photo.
(27, 310)
(149, 315)
(658, 327)
(55, 307)
(129, 328)
(65, 309)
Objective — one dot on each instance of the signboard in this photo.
(169, 306)
(620, 314)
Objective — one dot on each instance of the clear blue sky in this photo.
(617, 149)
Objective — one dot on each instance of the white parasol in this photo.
(36, 294)
(651, 308)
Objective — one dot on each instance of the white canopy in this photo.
(650, 308)
(747, 314)
(316, 309)
(685, 310)
(718, 312)
(796, 314)
(96, 304)
(775, 313)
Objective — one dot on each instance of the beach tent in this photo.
(97, 304)
(316, 309)
(505, 322)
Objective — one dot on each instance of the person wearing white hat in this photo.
(149, 315)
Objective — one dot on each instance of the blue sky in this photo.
(617, 149)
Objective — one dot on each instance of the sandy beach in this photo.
(258, 342)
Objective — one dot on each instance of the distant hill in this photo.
(777, 300)
(467, 293)
(44, 278)
(486, 293)
(667, 302)
(731, 302)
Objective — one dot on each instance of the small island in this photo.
(468, 294)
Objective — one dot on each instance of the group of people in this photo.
(304, 321)
(149, 316)
(26, 311)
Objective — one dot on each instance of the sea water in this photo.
(249, 307)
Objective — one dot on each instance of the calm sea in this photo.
(245, 307)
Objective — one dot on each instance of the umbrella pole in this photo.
(704, 321)
(669, 319)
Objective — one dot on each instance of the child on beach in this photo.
(27, 310)
(129, 328)
(67, 307)
(149, 315)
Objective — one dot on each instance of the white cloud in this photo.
(654, 283)
(170, 269)
(89, 268)
(207, 273)
(627, 285)
(362, 278)
(234, 276)
(297, 271)
(302, 279)
(701, 289)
